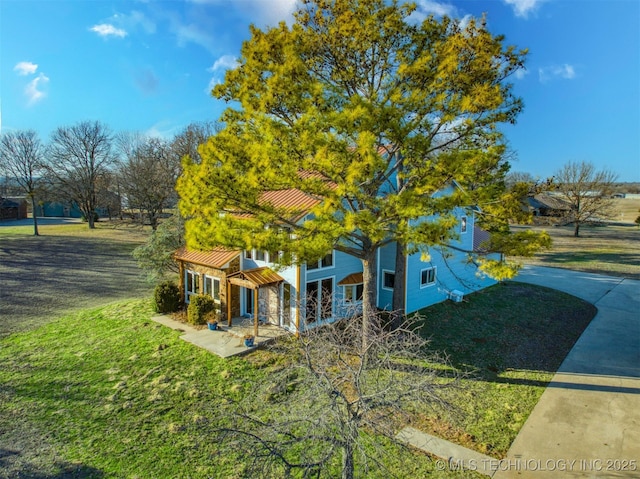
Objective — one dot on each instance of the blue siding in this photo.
(386, 262)
(343, 266)
(453, 272)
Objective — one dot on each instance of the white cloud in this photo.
(25, 68)
(566, 72)
(260, 12)
(522, 8)
(34, 91)
(521, 73)
(424, 8)
(107, 30)
(225, 62)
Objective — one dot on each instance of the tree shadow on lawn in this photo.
(583, 259)
(507, 328)
(13, 464)
(42, 277)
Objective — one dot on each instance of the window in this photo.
(319, 300)
(259, 255)
(248, 254)
(353, 293)
(427, 277)
(325, 262)
(286, 304)
(191, 283)
(274, 256)
(388, 279)
(212, 287)
(463, 224)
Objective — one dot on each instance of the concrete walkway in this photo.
(226, 341)
(587, 422)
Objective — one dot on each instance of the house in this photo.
(13, 209)
(251, 282)
(548, 204)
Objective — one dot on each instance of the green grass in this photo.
(611, 249)
(106, 392)
(508, 340)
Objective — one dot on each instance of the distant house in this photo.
(249, 283)
(547, 204)
(13, 209)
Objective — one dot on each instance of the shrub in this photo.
(201, 307)
(166, 297)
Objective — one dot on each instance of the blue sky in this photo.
(149, 65)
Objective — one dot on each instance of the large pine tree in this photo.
(371, 113)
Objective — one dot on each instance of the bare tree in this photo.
(21, 154)
(187, 142)
(148, 174)
(77, 157)
(329, 408)
(587, 191)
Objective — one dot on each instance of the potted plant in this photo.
(212, 321)
(248, 340)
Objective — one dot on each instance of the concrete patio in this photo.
(226, 341)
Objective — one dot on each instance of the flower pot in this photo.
(212, 326)
(248, 342)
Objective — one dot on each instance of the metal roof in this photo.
(353, 278)
(258, 276)
(215, 258)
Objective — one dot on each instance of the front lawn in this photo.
(106, 392)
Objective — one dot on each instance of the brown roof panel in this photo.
(353, 278)
(215, 258)
(258, 276)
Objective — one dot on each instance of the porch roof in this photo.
(215, 258)
(256, 277)
(353, 278)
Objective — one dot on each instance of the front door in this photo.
(248, 301)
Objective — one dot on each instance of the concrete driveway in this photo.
(587, 422)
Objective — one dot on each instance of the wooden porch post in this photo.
(255, 312)
(228, 286)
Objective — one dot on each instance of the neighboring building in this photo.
(302, 296)
(548, 204)
(13, 209)
(64, 210)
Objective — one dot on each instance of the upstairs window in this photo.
(463, 224)
(325, 262)
(388, 279)
(259, 255)
(427, 277)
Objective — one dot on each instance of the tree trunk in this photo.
(399, 288)
(347, 461)
(35, 216)
(576, 229)
(370, 296)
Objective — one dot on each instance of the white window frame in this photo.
(318, 264)
(429, 283)
(384, 272)
(464, 224)
(354, 293)
(214, 279)
(193, 286)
